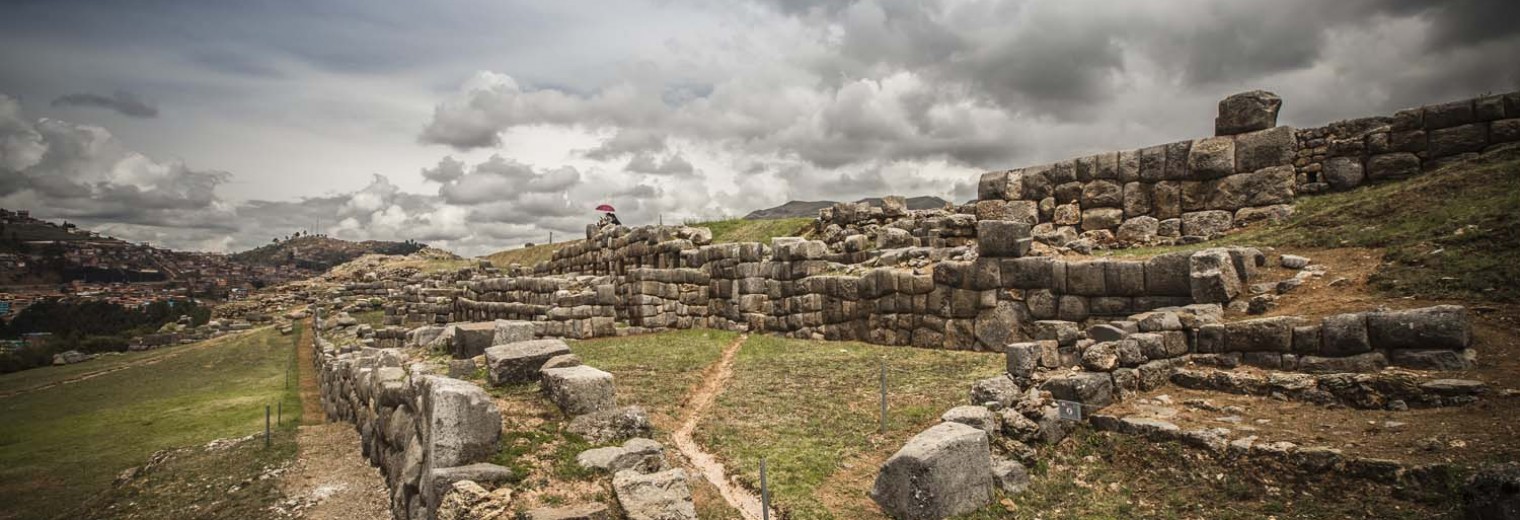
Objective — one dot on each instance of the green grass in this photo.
(742, 230)
(656, 371)
(62, 445)
(811, 409)
(1452, 233)
(525, 256)
(27, 379)
(374, 318)
(1104, 475)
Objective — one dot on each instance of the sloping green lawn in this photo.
(62, 445)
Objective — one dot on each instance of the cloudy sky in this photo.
(482, 125)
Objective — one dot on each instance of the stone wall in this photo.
(1198, 188)
(793, 289)
(424, 431)
(1346, 154)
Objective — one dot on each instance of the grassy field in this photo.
(525, 256)
(741, 230)
(811, 409)
(656, 371)
(1451, 233)
(1105, 475)
(62, 445)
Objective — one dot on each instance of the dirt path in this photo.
(330, 478)
(133, 364)
(712, 384)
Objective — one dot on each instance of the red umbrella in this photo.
(606, 208)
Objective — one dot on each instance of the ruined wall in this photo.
(796, 290)
(1202, 187)
(1346, 154)
(423, 431)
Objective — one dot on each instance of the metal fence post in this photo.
(266, 426)
(765, 493)
(883, 397)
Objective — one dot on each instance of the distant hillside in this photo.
(809, 209)
(319, 252)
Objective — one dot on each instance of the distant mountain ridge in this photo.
(803, 208)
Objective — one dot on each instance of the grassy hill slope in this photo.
(724, 231)
(321, 253)
(1451, 233)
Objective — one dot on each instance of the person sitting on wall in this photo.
(608, 217)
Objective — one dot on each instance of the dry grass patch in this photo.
(811, 409)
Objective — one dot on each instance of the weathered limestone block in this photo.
(1137, 199)
(1094, 390)
(1344, 335)
(1102, 193)
(1257, 188)
(609, 425)
(1504, 131)
(1369, 362)
(1067, 215)
(580, 389)
(1247, 112)
(975, 416)
(1433, 359)
(1392, 166)
(511, 332)
(1343, 173)
(1023, 358)
(637, 454)
(1207, 223)
(1439, 327)
(462, 422)
(1459, 139)
(1211, 158)
(1138, 230)
(999, 389)
(1169, 274)
(1086, 278)
(1260, 335)
(654, 496)
(472, 339)
(1450, 114)
(1265, 149)
(1101, 218)
(944, 471)
(520, 362)
(1213, 278)
(1002, 238)
(1166, 200)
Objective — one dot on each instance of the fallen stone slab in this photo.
(978, 417)
(655, 496)
(580, 389)
(589, 511)
(1442, 326)
(472, 339)
(611, 425)
(510, 331)
(1094, 390)
(943, 471)
(638, 454)
(463, 423)
(520, 362)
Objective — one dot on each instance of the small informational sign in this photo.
(5, 308)
(1069, 410)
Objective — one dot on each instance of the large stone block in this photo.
(1152, 164)
(1086, 278)
(1258, 188)
(944, 471)
(462, 423)
(1102, 193)
(1124, 278)
(1344, 335)
(580, 389)
(1265, 149)
(992, 186)
(1458, 139)
(1260, 335)
(1031, 272)
(1137, 199)
(1207, 223)
(1343, 173)
(1390, 166)
(1211, 158)
(1247, 112)
(654, 496)
(1369, 362)
(520, 362)
(1212, 276)
(1101, 218)
(1002, 238)
(1166, 200)
(472, 339)
(1504, 131)
(511, 332)
(1439, 327)
(1447, 115)
(1168, 274)
(1094, 390)
(1138, 230)
(1022, 359)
